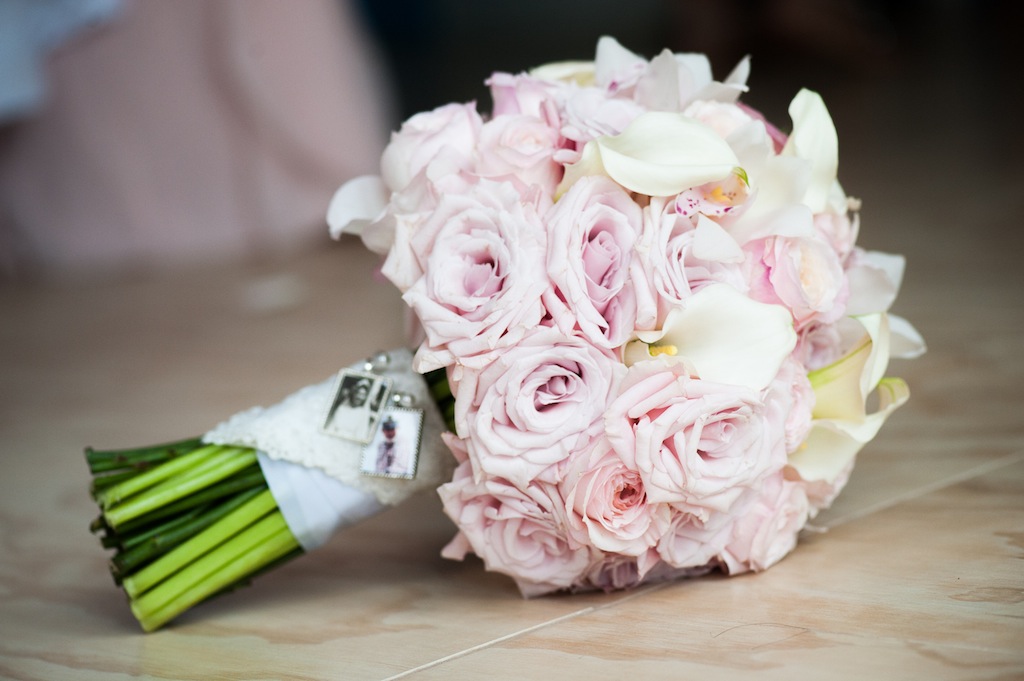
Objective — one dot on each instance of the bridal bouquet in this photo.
(659, 332)
(644, 332)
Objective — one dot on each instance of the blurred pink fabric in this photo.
(192, 131)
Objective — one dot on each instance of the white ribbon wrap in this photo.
(314, 477)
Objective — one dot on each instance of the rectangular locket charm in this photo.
(394, 451)
(358, 403)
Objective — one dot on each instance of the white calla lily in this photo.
(724, 336)
(841, 423)
(356, 204)
(841, 388)
(832, 444)
(579, 72)
(814, 139)
(658, 154)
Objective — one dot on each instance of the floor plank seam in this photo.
(981, 469)
(541, 625)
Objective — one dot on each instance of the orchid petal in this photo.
(737, 78)
(658, 88)
(711, 242)
(725, 336)
(357, 203)
(814, 139)
(906, 341)
(874, 282)
(612, 61)
(658, 154)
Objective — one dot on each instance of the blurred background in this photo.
(140, 136)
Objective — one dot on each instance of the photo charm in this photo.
(359, 400)
(395, 450)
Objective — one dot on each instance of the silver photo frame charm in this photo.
(358, 401)
(394, 452)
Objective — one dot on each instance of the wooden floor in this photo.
(918, 572)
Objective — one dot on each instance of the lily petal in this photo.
(658, 154)
(724, 335)
(841, 388)
(356, 204)
(833, 443)
(579, 72)
(841, 424)
(814, 139)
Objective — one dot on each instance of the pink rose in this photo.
(520, 146)
(690, 541)
(607, 506)
(818, 345)
(821, 493)
(588, 113)
(520, 533)
(406, 212)
(441, 141)
(591, 233)
(612, 571)
(482, 278)
(768, 531)
(523, 94)
(535, 404)
(698, 445)
(679, 260)
(804, 274)
(791, 395)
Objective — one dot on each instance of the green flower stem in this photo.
(439, 389)
(215, 469)
(248, 478)
(104, 482)
(101, 461)
(437, 381)
(199, 545)
(156, 475)
(148, 546)
(189, 521)
(259, 544)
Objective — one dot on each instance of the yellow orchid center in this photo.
(718, 195)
